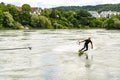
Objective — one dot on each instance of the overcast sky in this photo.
(55, 3)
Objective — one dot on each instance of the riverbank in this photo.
(30, 28)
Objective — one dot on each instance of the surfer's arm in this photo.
(81, 41)
(91, 45)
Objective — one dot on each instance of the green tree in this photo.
(35, 20)
(8, 20)
(69, 14)
(117, 17)
(45, 22)
(38, 21)
(46, 12)
(10, 23)
(13, 11)
(75, 23)
(83, 13)
(96, 23)
(17, 25)
(65, 22)
(55, 14)
(117, 24)
(1, 18)
(3, 7)
(84, 17)
(108, 24)
(25, 14)
(59, 26)
(26, 8)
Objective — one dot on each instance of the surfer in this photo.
(87, 41)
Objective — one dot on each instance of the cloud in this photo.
(54, 3)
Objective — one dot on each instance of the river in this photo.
(54, 55)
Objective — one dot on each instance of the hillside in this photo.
(105, 7)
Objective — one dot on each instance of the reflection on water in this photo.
(54, 55)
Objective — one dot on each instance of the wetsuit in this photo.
(87, 41)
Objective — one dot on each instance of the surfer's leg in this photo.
(86, 46)
(83, 48)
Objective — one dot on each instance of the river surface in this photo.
(54, 55)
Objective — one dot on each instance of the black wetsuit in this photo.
(87, 41)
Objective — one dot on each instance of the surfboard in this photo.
(80, 53)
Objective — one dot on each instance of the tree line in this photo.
(11, 18)
(98, 8)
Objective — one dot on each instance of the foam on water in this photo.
(54, 55)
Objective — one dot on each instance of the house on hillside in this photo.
(108, 14)
(34, 10)
(103, 14)
(19, 8)
(94, 14)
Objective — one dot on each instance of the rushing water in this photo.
(54, 55)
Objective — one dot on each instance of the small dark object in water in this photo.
(30, 48)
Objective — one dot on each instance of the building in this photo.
(103, 14)
(108, 14)
(19, 8)
(94, 14)
(34, 10)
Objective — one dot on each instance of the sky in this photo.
(56, 3)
